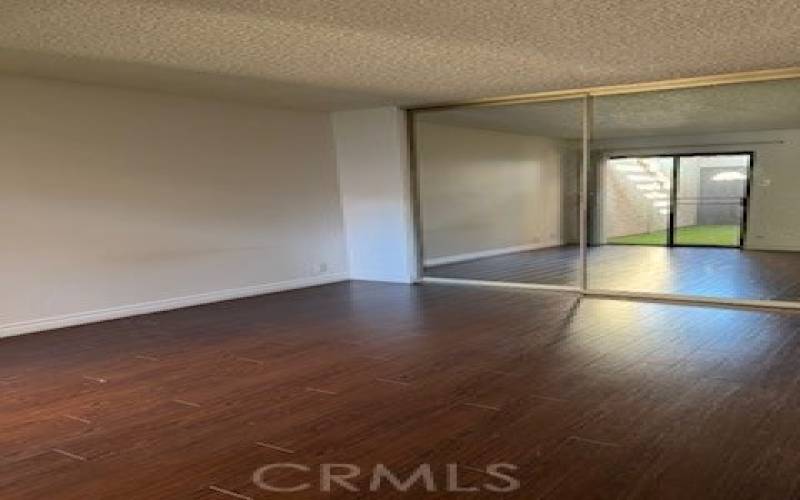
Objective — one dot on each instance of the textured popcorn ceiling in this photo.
(727, 108)
(348, 53)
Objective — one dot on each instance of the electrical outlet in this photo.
(322, 267)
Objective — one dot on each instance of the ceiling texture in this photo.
(326, 55)
(741, 107)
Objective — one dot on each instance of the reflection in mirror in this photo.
(696, 192)
(499, 192)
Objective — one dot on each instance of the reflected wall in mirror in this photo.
(498, 192)
(697, 192)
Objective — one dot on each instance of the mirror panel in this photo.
(499, 192)
(696, 192)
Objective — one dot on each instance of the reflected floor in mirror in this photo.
(710, 272)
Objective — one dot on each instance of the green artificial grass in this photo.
(727, 235)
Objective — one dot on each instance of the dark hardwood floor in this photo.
(549, 266)
(710, 272)
(589, 398)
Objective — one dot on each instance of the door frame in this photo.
(745, 203)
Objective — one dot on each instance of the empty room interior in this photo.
(395, 249)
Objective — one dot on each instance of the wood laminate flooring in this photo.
(588, 398)
(709, 272)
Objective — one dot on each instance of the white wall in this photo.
(372, 154)
(114, 202)
(485, 192)
(774, 213)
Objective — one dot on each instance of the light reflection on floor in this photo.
(703, 272)
(655, 338)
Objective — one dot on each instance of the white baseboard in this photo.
(381, 278)
(95, 316)
(451, 259)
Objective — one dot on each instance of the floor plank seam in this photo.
(249, 360)
(482, 406)
(186, 403)
(95, 379)
(275, 447)
(77, 419)
(394, 382)
(68, 454)
(147, 358)
(229, 493)
(549, 398)
(321, 391)
(594, 441)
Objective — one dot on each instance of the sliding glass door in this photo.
(711, 200)
(676, 200)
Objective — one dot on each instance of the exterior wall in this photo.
(626, 210)
(687, 214)
(719, 213)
